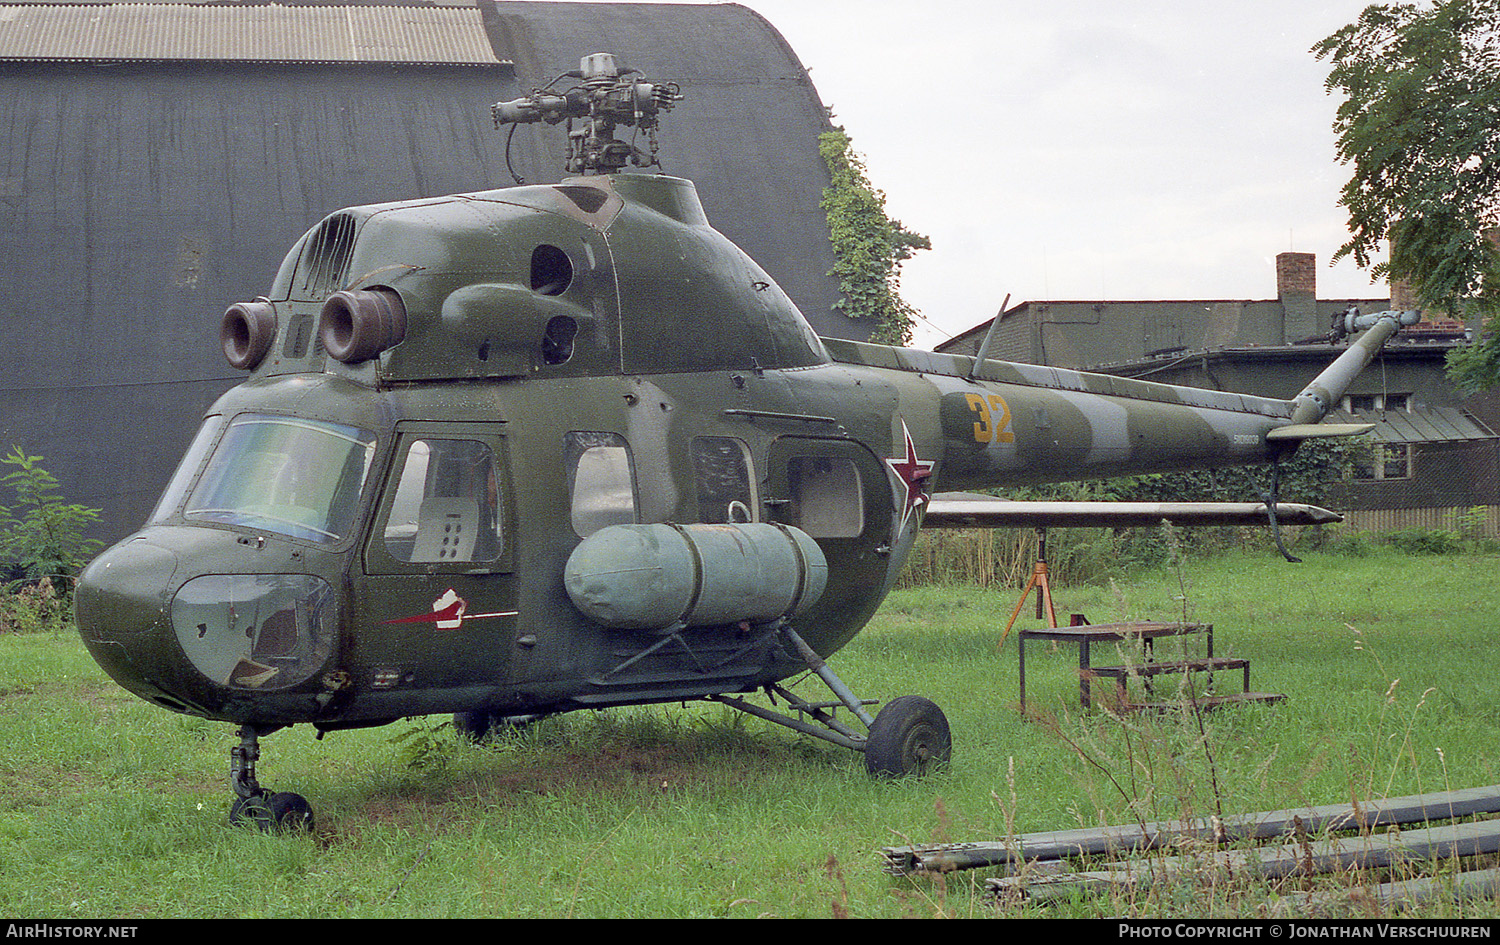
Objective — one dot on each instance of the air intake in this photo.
(325, 261)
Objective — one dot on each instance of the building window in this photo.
(1385, 461)
(1369, 403)
(1395, 461)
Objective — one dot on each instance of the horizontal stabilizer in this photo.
(1312, 431)
(961, 510)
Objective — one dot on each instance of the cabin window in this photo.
(827, 500)
(300, 478)
(446, 507)
(721, 471)
(601, 486)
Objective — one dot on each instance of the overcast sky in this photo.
(1088, 149)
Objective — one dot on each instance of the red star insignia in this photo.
(912, 474)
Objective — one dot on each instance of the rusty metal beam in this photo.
(1130, 838)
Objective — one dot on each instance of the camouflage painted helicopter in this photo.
(553, 447)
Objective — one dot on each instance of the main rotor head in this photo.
(604, 98)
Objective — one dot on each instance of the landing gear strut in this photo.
(910, 734)
(253, 804)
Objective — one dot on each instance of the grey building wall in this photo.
(1087, 334)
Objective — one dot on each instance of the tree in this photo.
(869, 245)
(1420, 125)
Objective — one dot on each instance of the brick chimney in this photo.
(1297, 290)
(1404, 299)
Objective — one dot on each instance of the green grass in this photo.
(112, 808)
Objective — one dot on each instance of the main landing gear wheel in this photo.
(909, 736)
(478, 725)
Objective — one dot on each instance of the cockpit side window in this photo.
(601, 484)
(187, 470)
(446, 508)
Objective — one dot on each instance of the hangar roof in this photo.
(269, 33)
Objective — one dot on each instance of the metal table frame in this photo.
(1086, 635)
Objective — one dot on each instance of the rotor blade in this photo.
(957, 510)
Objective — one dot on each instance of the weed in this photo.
(1188, 768)
(33, 607)
(1349, 543)
(110, 807)
(1005, 557)
(1424, 541)
(427, 747)
(42, 536)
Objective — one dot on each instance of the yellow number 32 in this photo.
(986, 428)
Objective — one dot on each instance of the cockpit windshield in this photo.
(300, 478)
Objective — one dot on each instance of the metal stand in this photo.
(1039, 581)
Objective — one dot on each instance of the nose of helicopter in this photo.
(120, 606)
(160, 616)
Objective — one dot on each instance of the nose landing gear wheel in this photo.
(254, 805)
(909, 736)
(270, 812)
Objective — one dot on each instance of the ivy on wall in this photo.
(869, 246)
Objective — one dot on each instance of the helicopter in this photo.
(564, 446)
